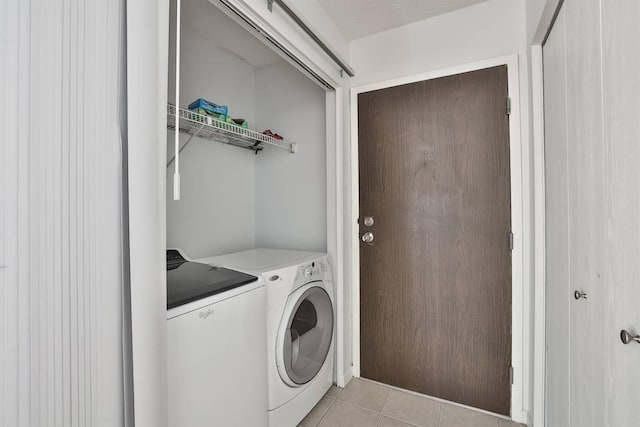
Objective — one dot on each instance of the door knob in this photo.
(627, 338)
(367, 238)
(580, 295)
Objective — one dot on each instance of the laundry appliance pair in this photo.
(297, 353)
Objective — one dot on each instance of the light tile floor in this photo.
(365, 403)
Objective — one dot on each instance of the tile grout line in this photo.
(358, 407)
(439, 414)
(332, 399)
(325, 413)
(353, 406)
(367, 409)
(402, 421)
(381, 413)
(398, 419)
(386, 400)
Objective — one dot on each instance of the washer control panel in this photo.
(310, 271)
(315, 270)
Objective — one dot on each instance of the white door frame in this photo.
(520, 324)
(539, 332)
(547, 18)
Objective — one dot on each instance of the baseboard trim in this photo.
(345, 377)
(522, 417)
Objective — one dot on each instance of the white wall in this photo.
(490, 29)
(486, 30)
(534, 12)
(291, 195)
(216, 213)
(232, 199)
(61, 310)
(539, 14)
(211, 73)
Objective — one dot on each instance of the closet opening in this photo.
(253, 141)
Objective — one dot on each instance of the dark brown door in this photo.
(435, 284)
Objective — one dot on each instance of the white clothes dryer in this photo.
(299, 325)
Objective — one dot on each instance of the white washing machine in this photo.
(300, 327)
(216, 346)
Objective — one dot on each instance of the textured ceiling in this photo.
(359, 18)
(224, 33)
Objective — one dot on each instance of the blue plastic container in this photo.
(209, 106)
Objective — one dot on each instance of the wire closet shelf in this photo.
(207, 127)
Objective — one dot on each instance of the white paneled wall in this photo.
(61, 358)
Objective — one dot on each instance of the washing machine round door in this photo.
(305, 334)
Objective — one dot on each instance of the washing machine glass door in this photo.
(306, 335)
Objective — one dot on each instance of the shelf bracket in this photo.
(270, 5)
(193, 135)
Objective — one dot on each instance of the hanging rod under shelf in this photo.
(207, 127)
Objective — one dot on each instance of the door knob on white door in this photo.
(627, 338)
(580, 295)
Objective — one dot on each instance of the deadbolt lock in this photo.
(368, 221)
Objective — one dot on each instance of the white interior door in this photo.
(585, 212)
(621, 88)
(575, 232)
(592, 155)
